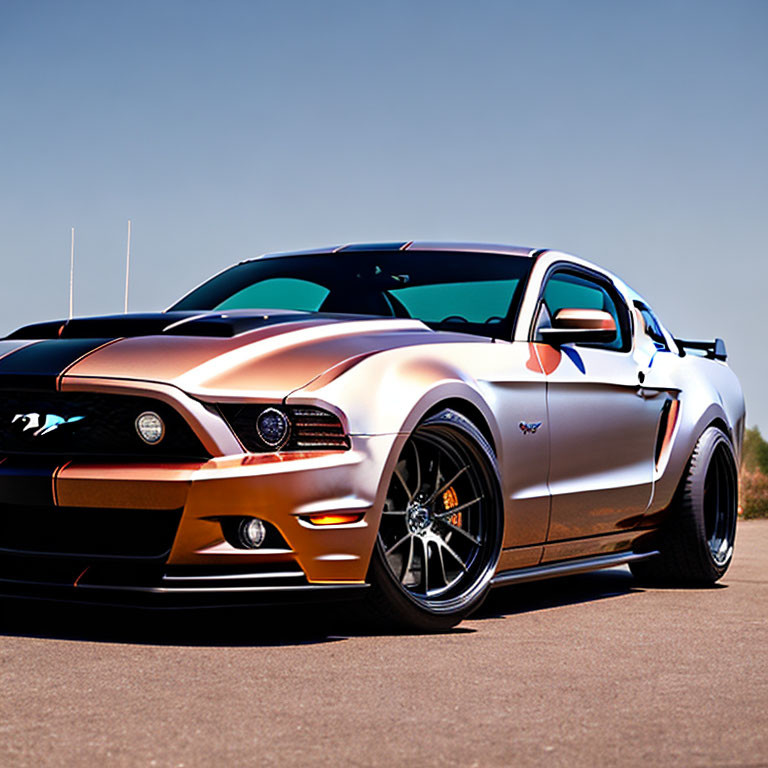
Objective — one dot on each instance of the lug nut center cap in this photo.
(418, 519)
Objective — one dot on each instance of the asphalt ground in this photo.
(588, 670)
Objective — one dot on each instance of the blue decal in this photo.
(574, 357)
(659, 348)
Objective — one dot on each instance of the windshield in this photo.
(469, 292)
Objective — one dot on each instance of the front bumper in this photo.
(161, 587)
(194, 564)
(142, 587)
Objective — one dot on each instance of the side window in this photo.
(652, 327)
(571, 290)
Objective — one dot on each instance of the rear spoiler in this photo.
(715, 349)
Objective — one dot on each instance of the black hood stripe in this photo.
(39, 365)
(197, 323)
(55, 347)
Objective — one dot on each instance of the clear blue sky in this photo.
(634, 134)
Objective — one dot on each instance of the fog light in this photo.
(150, 427)
(251, 532)
(273, 427)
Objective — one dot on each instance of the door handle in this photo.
(647, 393)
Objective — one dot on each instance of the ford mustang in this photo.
(407, 424)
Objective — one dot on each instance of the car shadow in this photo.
(553, 593)
(208, 627)
(273, 626)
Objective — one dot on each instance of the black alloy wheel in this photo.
(441, 528)
(720, 506)
(696, 544)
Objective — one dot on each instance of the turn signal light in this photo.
(335, 519)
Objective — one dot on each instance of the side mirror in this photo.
(580, 325)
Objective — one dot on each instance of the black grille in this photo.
(312, 429)
(88, 532)
(94, 425)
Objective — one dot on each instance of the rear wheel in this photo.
(697, 543)
(440, 534)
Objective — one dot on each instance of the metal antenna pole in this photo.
(72, 274)
(127, 265)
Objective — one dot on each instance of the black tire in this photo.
(696, 543)
(446, 464)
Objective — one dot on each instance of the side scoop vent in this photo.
(314, 428)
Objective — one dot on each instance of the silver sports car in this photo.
(406, 423)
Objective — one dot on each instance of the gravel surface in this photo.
(588, 670)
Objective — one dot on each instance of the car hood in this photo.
(214, 355)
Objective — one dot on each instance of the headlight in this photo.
(273, 427)
(150, 427)
(263, 428)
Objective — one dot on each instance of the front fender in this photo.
(390, 392)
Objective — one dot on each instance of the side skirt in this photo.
(581, 565)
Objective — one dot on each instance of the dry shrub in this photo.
(753, 494)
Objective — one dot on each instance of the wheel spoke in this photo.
(425, 565)
(442, 564)
(397, 544)
(453, 554)
(438, 473)
(399, 476)
(418, 467)
(408, 562)
(455, 510)
(447, 485)
(393, 512)
(477, 542)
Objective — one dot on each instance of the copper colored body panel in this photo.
(138, 486)
(282, 492)
(166, 358)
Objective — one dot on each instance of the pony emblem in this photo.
(529, 428)
(42, 424)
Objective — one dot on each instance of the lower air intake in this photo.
(85, 531)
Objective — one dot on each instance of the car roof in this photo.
(414, 245)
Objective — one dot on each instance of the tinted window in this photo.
(278, 293)
(570, 290)
(474, 293)
(652, 326)
(487, 301)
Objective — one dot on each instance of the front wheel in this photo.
(441, 528)
(697, 543)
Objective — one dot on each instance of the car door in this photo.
(602, 423)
